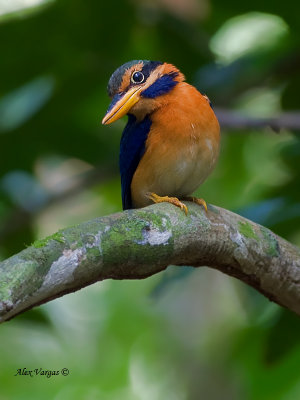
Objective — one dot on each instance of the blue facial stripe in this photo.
(161, 86)
(132, 148)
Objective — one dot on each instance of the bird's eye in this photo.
(137, 77)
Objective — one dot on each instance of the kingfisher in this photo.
(171, 141)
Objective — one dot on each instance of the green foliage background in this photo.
(184, 334)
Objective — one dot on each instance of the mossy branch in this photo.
(138, 243)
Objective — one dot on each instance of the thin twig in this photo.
(234, 120)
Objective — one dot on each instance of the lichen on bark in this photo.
(137, 243)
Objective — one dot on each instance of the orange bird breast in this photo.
(181, 149)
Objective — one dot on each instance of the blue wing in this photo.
(132, 148)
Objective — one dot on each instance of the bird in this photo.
(171, 141)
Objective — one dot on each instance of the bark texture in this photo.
(138, 243)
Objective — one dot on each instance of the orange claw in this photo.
(173, 200)
(201, 202)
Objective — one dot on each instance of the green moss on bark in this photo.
(58, 236)
(246, 230)
(272, 244)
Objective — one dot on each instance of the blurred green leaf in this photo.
(283, 337)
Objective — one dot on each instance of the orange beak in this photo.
(122, 106)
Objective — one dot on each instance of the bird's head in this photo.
(137, 86)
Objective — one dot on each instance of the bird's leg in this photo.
(201, 202)
(173, 200)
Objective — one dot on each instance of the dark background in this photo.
(183, 334)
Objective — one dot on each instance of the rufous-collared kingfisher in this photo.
(171, 141)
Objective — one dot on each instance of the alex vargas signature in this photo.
(42, 372)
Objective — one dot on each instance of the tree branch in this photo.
(235, 120)
(138, 243)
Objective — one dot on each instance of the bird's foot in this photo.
(201, 202)
(173, 200)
